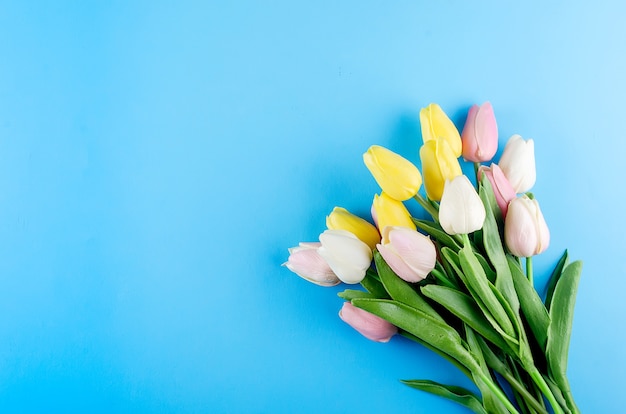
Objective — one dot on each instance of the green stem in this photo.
(521, 389)
(427, 206)
(476, 167)
(543, 386)
(497, 392)
(529, 269)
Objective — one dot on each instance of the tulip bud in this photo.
(438, 165)
(461, 210)
(525, 230)
(367, 324)
(396, 175)
(480, 134)
(518, 163)
(410, 254)
(390, 212)
(502, 189)
(306, 262)
(342, 219)
(347, 256)
(436, 124)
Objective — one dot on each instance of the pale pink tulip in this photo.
(409, 253)
(502, 188)
(367, 324)
(305, 261)
(525, 230)
(480, 134)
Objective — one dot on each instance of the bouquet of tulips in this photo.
(461, 282)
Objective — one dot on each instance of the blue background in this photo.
(157, 159)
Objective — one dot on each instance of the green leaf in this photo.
(445, 356)
(436, 232)
(490, 401)
(459, 395)
(350, 294)
(554, 278)
(438, 334)
(372, 284)
(443, 279)
(532, 307)
(493, 246)
(464, 307)
(491, 275)
(400, 290)
(560, 329)
(476, 281)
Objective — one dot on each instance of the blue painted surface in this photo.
(157, 159)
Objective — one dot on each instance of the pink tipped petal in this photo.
(417, 251)
(486, 129)
(398, 265)
(367, 324)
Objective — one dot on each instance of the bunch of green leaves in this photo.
(479, 311)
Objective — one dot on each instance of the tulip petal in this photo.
(347, 256)
(367, 324)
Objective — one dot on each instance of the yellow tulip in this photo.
(436, 124)
(438, 164)
(342, 219)
(395, 175)
(388, 211)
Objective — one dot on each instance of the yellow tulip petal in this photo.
(395, 175)
(342, 219)
(436, 124)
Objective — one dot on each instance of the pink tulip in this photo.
(480, 134)
(306, 262)
(410, 254)
(525, 230)
(367, 324)
(502, 188)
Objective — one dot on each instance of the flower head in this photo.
(518, 163)
(438, 165)
(502, 189)
(367, 324)
(525, 230)
(436, 124)
(342, 219)
(390, 212)
(396, 175)
(305, 261)
(480, 134)
(461, 210)
(410, 254)
(348, 257)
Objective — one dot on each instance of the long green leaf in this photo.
(464, 307)
(401, 291)
(490, 401)
(459, 395)
(479, 286)
(350, 294)
(372, 283)
(554, 278)
(493, 246)
(437, 334)
(445, 356)
(532, 307)
(560, 330)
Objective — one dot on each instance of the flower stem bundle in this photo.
(456, 282)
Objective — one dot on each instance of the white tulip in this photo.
(461, 210)
(348, 257)
(518, 163)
